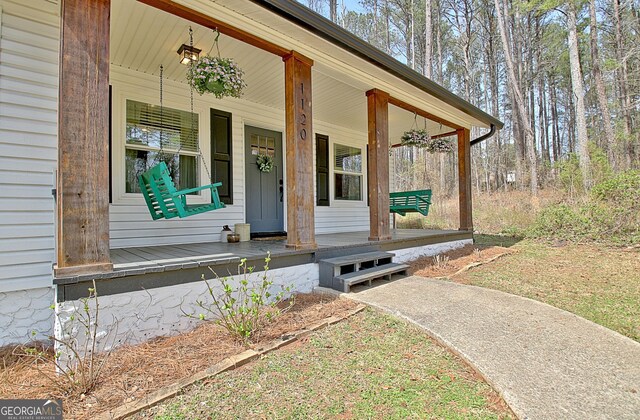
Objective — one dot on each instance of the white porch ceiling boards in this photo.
(333, 60)
(143, 37)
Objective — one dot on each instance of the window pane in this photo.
(348, 159)
(348, 187)
(146, 124)
(183, 170)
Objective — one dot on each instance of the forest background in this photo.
(564, 77)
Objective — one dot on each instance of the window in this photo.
(263, 145)
(149, 127)
(348, 173)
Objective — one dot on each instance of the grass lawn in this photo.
(595, 282)
(370, 366)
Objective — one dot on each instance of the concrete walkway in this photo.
(545, 362)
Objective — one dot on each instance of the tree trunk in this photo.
(413, 37)
(333, 10)
(440, 74)
(600, 89)
(427, 38)
(519, 102)
(555, 128)
(578, 94)
(622, 70)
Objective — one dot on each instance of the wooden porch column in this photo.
(83, 143)
(299, 132)
(464, 178)
(378, 164)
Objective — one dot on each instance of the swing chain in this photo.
(160, 154)
(192, 65)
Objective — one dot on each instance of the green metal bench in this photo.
(410, 202)
(164, 201)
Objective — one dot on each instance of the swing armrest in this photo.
(196, 189)
(419, 198)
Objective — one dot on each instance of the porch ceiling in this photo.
(143, 38)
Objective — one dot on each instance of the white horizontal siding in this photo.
(342, 216)
(130, 223)
(29, 38)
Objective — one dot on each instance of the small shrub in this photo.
(245, 309)
(570, 176)
(559, 221)
(441, 261)
(611, 214)
(77, 361)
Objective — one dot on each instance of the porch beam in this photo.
(464, 179)
(207, 21)
(299, 158)
(408, 107)
(83, 143)
(378, 164)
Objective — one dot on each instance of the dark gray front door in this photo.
(264, 191)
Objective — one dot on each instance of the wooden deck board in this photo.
(168, 265)
(212, 251)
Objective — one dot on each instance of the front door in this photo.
(264, 188)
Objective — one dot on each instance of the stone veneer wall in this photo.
(142, 315)
(23, 312)
(410, 254)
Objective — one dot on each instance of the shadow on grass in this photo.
(496, 240)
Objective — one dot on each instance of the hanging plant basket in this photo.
(265, 163)
(219, 76)
(415, 137)
(440, 145)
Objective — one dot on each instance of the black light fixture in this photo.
(188, 53)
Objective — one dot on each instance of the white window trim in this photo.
(333, 202)
(120, 94)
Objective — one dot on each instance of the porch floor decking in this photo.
(158, 266)
(199, 254)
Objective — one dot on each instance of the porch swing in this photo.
(418, 201)
(163, 199)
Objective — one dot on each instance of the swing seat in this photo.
(410, 202)
(164, 201)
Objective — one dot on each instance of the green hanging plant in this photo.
(417, 137)
(220, 76)
(440, 145)
(265, 163)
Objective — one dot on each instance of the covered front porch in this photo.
(299, 87)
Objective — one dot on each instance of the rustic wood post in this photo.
(464, 179)
(378, 164)
(83, 143)
(299, 132)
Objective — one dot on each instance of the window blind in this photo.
(348, 159)
(147, 123)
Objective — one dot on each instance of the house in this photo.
(76, 76)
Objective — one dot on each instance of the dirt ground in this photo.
(133, 371)
(452, 262)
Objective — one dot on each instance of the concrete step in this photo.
(345, 281)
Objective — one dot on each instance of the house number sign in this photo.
(303, 116)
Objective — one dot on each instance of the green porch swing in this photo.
(163, 199)
(418, 201)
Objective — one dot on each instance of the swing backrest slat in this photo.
(160, 193)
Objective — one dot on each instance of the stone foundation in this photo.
(24, 312)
